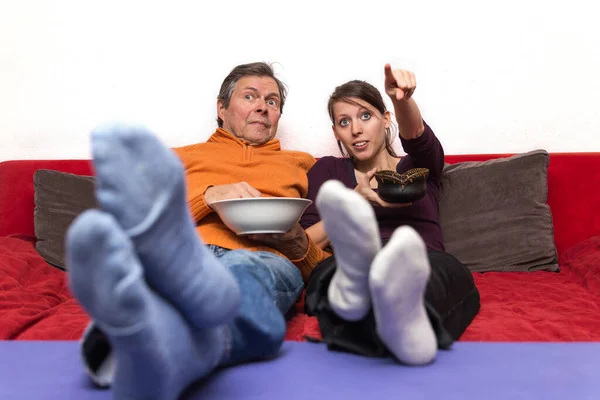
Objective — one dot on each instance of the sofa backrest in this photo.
(573, 192)
(16, 191)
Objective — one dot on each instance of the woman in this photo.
(408, 297)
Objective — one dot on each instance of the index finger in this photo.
(387, 70)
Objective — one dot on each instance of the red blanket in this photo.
(35, 302)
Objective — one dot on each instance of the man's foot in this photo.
(398, 277)
(351, 225)
(142, 184)
(158, 354)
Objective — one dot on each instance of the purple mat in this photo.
(52, 370)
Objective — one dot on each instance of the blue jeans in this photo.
(269, 287)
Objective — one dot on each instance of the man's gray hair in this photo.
(261, 69)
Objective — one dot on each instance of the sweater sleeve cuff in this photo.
(314, 255)
(198, 207)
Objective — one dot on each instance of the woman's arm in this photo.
(408, 116)
(400, 86)
(418, 140)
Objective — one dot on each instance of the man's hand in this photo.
(365, 190)
(293, 244)
(233, 191)
(399, 84)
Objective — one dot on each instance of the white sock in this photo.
(398, 278)
(351, 225)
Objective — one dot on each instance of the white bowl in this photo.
(260, 214)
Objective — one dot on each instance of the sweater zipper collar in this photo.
(222, 136)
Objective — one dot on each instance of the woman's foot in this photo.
(352, 228)
(398, 278)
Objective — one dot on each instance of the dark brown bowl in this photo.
(407, 187)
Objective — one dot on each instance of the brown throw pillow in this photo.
(59, 198)
(494, 214)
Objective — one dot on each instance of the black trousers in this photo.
(451, 300)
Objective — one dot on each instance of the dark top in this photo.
(423, 215)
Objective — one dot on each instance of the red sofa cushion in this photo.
(35, 302)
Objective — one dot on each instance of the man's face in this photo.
(254, 110)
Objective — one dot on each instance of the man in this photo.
(167, 308)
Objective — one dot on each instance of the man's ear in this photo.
(337, 137)
(388, 119)
(220, 109)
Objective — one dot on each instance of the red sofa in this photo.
(35, 302)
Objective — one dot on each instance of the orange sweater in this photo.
(224, 159)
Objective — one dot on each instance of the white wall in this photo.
(506, 76)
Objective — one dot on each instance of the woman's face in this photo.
(360, 128)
